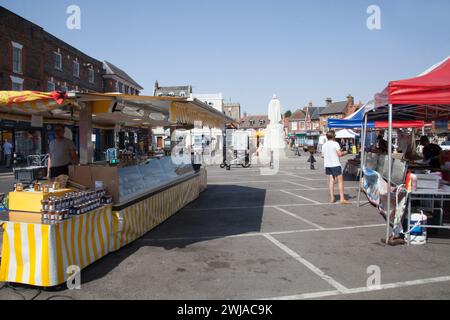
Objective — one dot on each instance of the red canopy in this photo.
(430, 88)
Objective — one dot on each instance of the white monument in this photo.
(274, 137)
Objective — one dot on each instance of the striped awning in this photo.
(32, 102)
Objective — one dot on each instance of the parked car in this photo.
(445, 145)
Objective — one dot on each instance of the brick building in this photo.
(337, 110)
(117, 80)
(21, 52)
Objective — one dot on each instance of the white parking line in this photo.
(298, 184)
(301, 197)
(255, 234)
(306, 263)
(269, 190)
(394, 285)
(299, 218)
(187, 209)
(275, 233)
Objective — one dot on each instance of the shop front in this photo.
(25, 139)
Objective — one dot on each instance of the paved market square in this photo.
(250, 236)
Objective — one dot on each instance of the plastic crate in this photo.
(427, 181)
(29, 174)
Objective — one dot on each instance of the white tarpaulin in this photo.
(346, 134)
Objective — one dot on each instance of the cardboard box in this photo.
(30, 201)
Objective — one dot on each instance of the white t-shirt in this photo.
(322, 139)
(60, 152)
(330, 153)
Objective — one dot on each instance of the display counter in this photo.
(38, 253)
(128, 183)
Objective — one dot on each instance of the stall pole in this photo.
(363, 149)
(388, 206)
(86, 148)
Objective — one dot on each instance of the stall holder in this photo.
(37, 253)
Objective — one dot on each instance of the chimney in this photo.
(328, 101)
(350, 100)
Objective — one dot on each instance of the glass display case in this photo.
(133, 181)
(149, 176)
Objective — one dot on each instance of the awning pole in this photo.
(388, 206)
(363, 149)
(86, 147)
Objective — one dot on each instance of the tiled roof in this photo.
(245, 121)
(334, 108)
(121, 74)
(298, 115)
(314, 112)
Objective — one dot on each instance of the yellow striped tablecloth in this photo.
(39, 254)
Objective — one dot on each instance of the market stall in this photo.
(104, 205)
(424, 98)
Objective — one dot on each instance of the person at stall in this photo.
(62, 153)
(381, 145)
(431, 152)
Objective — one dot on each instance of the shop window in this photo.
(17, 84)
(27, 143)
(17, 57)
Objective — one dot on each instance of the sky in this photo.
(251, 49)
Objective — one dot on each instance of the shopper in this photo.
(331, 152)
(322, 140)
(7, 151)
(62, 154)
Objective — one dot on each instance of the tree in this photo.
(288, 114)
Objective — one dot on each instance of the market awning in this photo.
(346, 134)
(425, 97)
(109, 108)
(154, 110)
(32, 102)
(432, 87)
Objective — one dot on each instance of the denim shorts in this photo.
(334, 171)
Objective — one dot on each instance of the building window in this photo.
(58, 60)
(76, 69)
(91, 76)
(17, 84)
(262, 122)
(51, 85)
(182, 94)
(17, 57)
(120, 87)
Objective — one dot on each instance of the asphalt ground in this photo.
(253, 236)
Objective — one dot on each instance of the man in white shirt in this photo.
(331, 152)
(62, 153)
(322, 140)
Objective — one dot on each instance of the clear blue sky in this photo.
(249, 49)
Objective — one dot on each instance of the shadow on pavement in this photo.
(189, 226)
